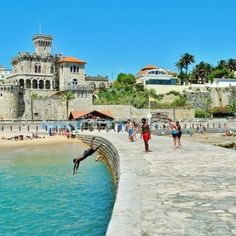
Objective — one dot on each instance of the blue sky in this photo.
(123, 35)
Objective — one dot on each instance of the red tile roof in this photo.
(72, 59)
(79, 114)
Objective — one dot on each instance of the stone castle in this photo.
(34, 90)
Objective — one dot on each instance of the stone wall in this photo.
(54, 107)
(124, 112)
(220, 97)
(108, 153)
(8, 102)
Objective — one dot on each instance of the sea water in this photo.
(40, 196)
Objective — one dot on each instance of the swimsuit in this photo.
(88, 152)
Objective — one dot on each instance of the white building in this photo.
(4, 73)
(159, 79)
(154, 75)
(42, 70)
(71, 73)
(225, 82)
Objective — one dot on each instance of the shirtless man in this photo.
(83, 156)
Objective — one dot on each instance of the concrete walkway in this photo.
(188, 191)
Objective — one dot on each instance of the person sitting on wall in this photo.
(83, 156)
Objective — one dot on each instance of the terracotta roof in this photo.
(72, 59)
(80, 114)
(150, 67)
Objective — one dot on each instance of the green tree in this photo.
(187, 59)
(222, 64)
(220, 73)
(183, 63)
(231, 107)
(232, 64)
(68, 95)
(201, 72)
(180, 66)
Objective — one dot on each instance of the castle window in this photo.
(35, 84)
(21, 81)
(75, 82)
(48, 86)
(41, 84)
(28, 83)
(37, 68)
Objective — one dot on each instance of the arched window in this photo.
(21, 81)
(77, 69)
(102, 86)
(92, 86)
(41, 84)
(71, 68)
(75, 81)
(35, 84)
(48, 86)
(37, 68)
(28, 83)
(74, 68)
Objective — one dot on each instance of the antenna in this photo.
(40, 26)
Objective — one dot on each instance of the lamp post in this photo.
(149, 115)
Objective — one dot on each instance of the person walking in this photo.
(179, 132)
(145, 134)
(174, 132)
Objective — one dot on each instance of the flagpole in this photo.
(149, 111)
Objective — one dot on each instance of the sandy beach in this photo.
(44, 139)
(213, 138)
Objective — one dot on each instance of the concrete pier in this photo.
(187, 191)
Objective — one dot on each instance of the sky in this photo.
(115, 36)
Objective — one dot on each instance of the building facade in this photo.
(4, 73)
(37, 86)
(154, 75)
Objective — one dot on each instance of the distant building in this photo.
(4, 73)
(97, 82)
(224, 82)
(154, 75)
(42, 70)
(72, 73)
(35, 88)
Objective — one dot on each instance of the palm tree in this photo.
(180, 66)
(68, 95)
(202, 71)
(222, 64)
(188, 59)
(232, 64)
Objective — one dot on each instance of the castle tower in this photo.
(42, 43)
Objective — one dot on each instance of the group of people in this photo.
(131, 129)
(176, 132)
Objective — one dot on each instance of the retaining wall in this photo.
(126, 218)
(108, 152)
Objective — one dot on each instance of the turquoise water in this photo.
(40, 196)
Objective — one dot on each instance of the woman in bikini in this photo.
(174, 132)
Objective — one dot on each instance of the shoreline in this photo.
(213, 138)
(43, 140)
